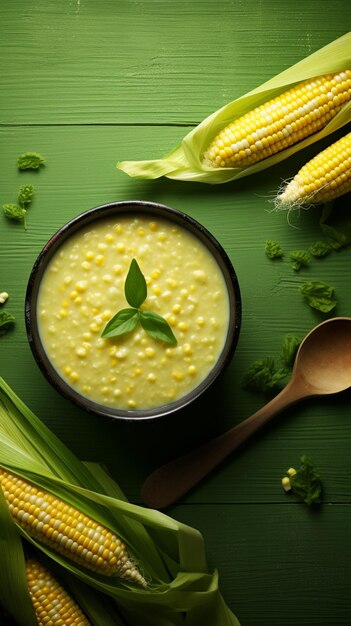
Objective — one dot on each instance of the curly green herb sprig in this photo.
(304, 481)
(273, 250)
(299, 259)
(7, 321)
(264, 376)
(19, 211)
(30, 161)
(319, 295)
(125, 320)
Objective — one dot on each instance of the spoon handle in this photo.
(171, 481)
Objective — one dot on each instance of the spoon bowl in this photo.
(324, 357)
(322, 366)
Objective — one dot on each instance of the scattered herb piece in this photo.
(25, 195)
(305, 482)
(125, 320)
(19, 211)
(290, 347)
(263, 375)
(30, 161)
(7, 321)
(299, 258)
(319, 295)
(273, 250)
(320, 249)
(15, 212)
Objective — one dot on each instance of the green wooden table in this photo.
(88, 83)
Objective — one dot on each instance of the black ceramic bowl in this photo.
(118, 209)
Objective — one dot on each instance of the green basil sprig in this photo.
(125, 320)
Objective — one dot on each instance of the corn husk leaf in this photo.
(185, 161)
(170, 554)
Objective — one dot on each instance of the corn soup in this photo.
(83, 288)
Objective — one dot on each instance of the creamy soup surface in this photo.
(83, 287)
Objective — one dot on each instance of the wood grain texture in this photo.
(88, 84)
(280, 565)
(160, 62)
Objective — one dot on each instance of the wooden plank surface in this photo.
(280, 565)
(160, 62)
(88, 84)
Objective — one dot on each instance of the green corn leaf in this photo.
(185, 161)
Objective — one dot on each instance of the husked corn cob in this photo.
(65, 529)
(323, 178)
(52, 604)
(281, 122)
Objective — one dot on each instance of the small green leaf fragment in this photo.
(123, 322)
(290, 347)
(7, 321)
(319, 295)
(135, 288)
(273, 250)
(30, 161)
(335, 224)
(25, 194)
(299, 259)
(320, 249)
(307, 483)
(14, 212)
(263, 375)
(157, 327)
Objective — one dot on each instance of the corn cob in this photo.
(52, 604)
(323, 178)
(281, 122)
(65, 529)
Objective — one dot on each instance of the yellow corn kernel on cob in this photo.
(323, 178)
(52, 604)
(281, 122)
(67, 530)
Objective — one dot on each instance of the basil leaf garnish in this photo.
(157, 327)
(135, 288)
(123, 322)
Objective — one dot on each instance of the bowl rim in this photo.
(122, 208)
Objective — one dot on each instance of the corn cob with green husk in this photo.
(325, 177)
(67, 530)
(53, 606)
(292, 110)
(281, 122)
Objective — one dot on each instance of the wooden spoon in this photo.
(322, 366)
